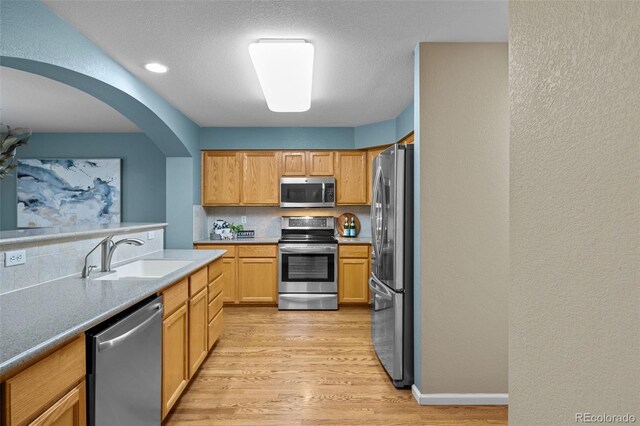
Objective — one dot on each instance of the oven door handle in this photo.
(323, 192)
(315, 250)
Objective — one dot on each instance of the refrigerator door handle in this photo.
(374, 217)
(375, 289)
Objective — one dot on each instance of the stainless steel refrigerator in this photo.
(391, 280)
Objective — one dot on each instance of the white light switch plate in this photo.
(151, 235)
(13, 258)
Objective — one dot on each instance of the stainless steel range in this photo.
(308, 273)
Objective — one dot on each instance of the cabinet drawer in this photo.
(231, 249)
(27, 393)
(215, 269)
(355, 251)
(214, 307)
(215, 329)
(216, 287)
(174, 297)
(258, 251)
(197, 281)
(71, 409)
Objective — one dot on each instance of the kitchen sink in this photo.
(141, 269)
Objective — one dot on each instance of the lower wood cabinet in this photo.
(258, 280)
(230, 278)
(49, 392)
(250, 272)
(353, 274)
(186, 329)
(197, 331)
(70, 410)
(175, 357)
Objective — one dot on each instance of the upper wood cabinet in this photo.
(260, 178)
(351, 176)
(320, 163)
(294, 164)
(220, 178)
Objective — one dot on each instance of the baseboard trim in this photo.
(459, 398)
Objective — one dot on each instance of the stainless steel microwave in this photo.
(308, 192)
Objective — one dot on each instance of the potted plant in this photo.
(235, 228)
(10, 139)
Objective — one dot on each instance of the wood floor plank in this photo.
(293, 368)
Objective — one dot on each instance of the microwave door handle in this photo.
(323, 192)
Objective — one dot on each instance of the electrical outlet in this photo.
(13, 258)
(151, 235)
(243, 219)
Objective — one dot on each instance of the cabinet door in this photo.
(260, 178)
(220, 178)
(353, 281)
(351, 174)
(70, 410)
(294, 164)
(258, 280)
(320, 163)
(371, 154)
(230, 281)
(198, 322)
(175, 359)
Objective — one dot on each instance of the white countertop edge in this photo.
(118, 228)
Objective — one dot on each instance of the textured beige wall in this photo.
(575, 203)
(464, 137)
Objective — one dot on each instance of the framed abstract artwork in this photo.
(60, 192)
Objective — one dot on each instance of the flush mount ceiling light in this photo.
(156, 67)
(284, 69)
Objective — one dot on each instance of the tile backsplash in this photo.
(57, 259)
(266, 220)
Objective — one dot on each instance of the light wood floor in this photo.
(305, 368)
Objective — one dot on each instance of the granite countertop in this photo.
(256, 240)
(354, 240)
(31, 235)
(36, 319)
(274, 240)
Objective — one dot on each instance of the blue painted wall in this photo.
(143, 170)
(405, 121)
(381, 133)
(375, 134)
(276, 138)
(179, 207)
(36, 40)
(385, 132)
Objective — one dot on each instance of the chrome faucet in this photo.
(108, 247)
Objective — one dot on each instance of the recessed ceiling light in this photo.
(284, 69)
(156, 67)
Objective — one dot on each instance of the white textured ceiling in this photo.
(44, 105)
(363, 69)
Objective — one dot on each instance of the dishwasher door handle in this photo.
(112, 343)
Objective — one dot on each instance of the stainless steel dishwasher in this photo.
(124, 357)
